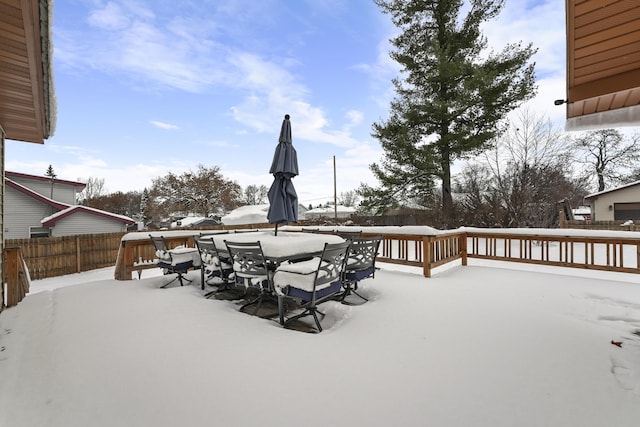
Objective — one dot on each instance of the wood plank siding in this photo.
(603, 63)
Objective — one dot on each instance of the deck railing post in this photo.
(463, 247)
(426, 249)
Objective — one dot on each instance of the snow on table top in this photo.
(283, 245)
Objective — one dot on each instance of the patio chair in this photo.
(166, 262)
(214, 264)
(251, 270)
(311, 282)
(361, 264)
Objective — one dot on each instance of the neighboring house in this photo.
(31, 212)
(620, 203)
(195, 221)
(603, 70)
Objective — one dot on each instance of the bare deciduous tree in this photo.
(255, 195)
(524, 177)
(349, 198)
(607, 155)
(94, 188)
(203, 192)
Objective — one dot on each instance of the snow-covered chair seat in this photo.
(165, 260)
(361, 264)
(311, 282)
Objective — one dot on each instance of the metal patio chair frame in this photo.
(361, 264)
(327, 269)
(180, 269)
(251, 269)
(216, 263)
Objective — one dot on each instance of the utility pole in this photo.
(335, 194)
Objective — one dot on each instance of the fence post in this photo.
(78, 262)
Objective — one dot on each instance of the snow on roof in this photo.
(330, 209)
(51, 220)
(250, 214)
(610, 190)
(10, 174)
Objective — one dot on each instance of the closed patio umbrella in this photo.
(283, 200)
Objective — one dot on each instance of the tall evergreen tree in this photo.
(451, 100)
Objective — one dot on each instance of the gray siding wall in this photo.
(22, 212)
(64, 193)
(83, 223)
(601, 203)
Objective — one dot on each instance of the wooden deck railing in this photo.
(57, 256)
(621, 254)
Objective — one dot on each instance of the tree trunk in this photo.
(447, 200)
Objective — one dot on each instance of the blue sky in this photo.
(145, 87)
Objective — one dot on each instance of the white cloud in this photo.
(162, 125)
(110, 17)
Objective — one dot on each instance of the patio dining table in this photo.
(286, 246)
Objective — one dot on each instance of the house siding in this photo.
(64, 193)
(600, 204)
(2, 236)
(84, 223)
(21, 213)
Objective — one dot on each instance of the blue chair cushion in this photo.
(357, 275)
(306, 296)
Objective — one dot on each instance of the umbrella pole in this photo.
(276, 233)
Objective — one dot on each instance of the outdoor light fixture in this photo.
(560, 101)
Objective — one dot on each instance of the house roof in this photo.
(27, 99)
(77, 184)
(611, 190)
(65, 209)
(603, 63)
(51, 220)
(29, 192)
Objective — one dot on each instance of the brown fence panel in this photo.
(57, 256)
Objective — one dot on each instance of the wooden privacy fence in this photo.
(57, 256)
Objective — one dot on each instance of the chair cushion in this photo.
(304, 296)
(255, 281)
(356, 275)
(299, 275)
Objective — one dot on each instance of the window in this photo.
(35, 232)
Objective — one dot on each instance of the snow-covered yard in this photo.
(482, 345)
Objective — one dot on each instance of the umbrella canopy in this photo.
(283, 200)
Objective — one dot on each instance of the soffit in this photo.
(26, 101)
(603, 62)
